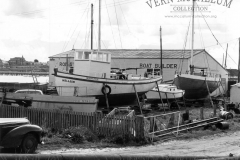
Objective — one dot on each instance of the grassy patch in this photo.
(82, 137)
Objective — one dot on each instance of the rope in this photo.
(110, 25)
(66, 44)
(127, 23)
(214, 35)
(183, 51)
(118, 24)
(202, 43)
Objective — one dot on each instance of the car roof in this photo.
(28, 90)
(13, 120)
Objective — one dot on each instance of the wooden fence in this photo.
(97, 122)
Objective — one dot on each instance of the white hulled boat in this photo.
(91, 77)
(167, 92)
(197, 81)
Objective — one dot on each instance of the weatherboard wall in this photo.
(169, 66)
(146, 59)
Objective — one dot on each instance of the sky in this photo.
(38, 29)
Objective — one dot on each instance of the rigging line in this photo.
(75, 3)
(95, 40)
(65, 45)
(86, 9)
(210, 29)
(87, 35)
(214, 35)
(127, 23)
(223, 43)
(110, 24)
(86, 25)
(75, 29)
(184, 47)
(43, 17)
(104, 44)
(127, 26)
(87, 31)
(44, 9)
(88, 39)
(202, 43)
(200, 35)
(118, 24)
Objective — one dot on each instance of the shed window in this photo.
(87, 55)
(79, 55)
(94, 56)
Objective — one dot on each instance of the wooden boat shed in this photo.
(140, 61)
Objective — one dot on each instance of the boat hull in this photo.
(153, 96)
(119, 92)
(195, 86)
(168, 92)
(63, 103)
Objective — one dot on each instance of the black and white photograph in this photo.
(119, 79)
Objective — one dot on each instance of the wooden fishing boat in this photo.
(197, 82)
(91, 77)
(63, 103)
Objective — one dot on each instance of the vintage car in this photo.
(20, 134)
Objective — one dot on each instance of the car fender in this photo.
(14, 138)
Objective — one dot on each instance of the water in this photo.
(23, 79)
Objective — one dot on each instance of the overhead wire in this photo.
(214, 35)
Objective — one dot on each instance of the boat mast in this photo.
(91, 26)
(99, 27)
(161, 50)
(192, 34)
(225, 66)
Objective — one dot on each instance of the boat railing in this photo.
(203, 74)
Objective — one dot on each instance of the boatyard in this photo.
(158, 93)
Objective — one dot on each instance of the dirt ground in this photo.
(220, 144)
(210, 143)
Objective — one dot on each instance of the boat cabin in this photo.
(92, 63)
(202, 71)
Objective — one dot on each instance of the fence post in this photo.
(201, 113)
(1, 111)
(171, 121)
(215, 110)
(139, 123)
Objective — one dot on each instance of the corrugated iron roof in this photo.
(140, 53)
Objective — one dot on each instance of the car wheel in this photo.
(29, 143)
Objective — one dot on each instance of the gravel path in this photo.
(216, 145)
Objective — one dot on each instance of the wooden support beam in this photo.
(167, 101)
(137, 99)
(106, 97)
(176, 101)
(160, 96)
(209, 94)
